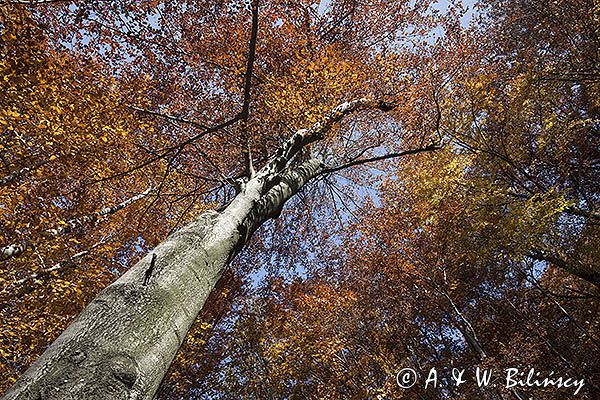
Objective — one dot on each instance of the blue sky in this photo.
(441, 5)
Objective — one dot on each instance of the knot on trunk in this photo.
(124, 369)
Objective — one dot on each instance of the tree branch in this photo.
(248, 88)
(304, 137)
(7, 179)
(16, 249)
(431, 147)
(250, 62)
(169, 117)
(166, 151)
(93, 218)
(587, 273)
(13, 250)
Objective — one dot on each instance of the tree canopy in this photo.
(453, 219)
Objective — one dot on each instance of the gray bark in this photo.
(13, 250)
(122, 344)
(17, 249)
(93, 218)
(61, 265)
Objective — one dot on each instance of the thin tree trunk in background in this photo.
(13, 176)
(17, 249)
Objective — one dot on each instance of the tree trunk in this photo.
(17, 249)
(122, 344)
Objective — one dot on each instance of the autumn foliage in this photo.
(456, 224)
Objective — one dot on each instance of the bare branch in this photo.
(17, 249)
(583, 271)
(94, 217)
(169, 117)
(304, 137)
(166, 151)
(56, 267)
(431, 147)
(250, 63)
(248, 88)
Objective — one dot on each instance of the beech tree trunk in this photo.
(122, 344)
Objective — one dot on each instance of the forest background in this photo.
(453, 220)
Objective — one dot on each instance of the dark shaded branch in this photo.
(169, 117)
(586, 273)
(583, 213)
(337, 23)
(431, 147)
(166, 151)
(7, 179)
(248, 89)
(573, 210)
(250, 63)
(504, 157)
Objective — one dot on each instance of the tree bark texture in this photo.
(122, 344)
